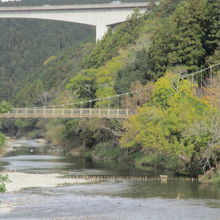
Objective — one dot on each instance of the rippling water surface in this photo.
(129, 200)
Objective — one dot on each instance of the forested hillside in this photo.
(48, 82)
(25, 44)
(148, 51)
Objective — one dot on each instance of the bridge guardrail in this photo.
(68, 113)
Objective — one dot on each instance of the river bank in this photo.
(10, 144)
(212, 176)
(96, 155)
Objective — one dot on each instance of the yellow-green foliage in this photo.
(160, 125)
(105, 78)
(2, 140)
(109, 46)
(55, 132)
(3, 180)
(83, 84)
(49, 60)
(5, 107)
(99, 82)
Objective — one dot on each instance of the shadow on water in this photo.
(40, 160)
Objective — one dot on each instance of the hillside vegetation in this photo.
(178, 37)
(25, 45)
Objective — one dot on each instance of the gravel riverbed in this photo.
(20, 181)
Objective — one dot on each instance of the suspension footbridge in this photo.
(68, 113)
(122, 106)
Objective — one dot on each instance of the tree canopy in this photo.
(163, 124)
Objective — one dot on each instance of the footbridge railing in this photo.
(68, 113)
(205, 79)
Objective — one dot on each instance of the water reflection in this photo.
(107, 200)
(42, 161)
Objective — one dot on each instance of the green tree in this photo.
(108, 47)
(166, 8)
(3, 180)
(5, 107)
(84, 84)
(158, 53)
(182, 38)
(135, 68)
(187, 46)
(212, 26)
(2, 140)
(106, 79)
(159, 126)
(97, 83)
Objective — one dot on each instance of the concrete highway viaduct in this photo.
(99, 15)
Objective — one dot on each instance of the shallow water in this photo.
(107, 200)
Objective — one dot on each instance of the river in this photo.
(110, 200)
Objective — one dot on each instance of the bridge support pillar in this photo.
(101, 30)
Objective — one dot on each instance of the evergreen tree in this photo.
(187, 46)
(212, 26)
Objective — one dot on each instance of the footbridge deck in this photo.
(68, 113)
